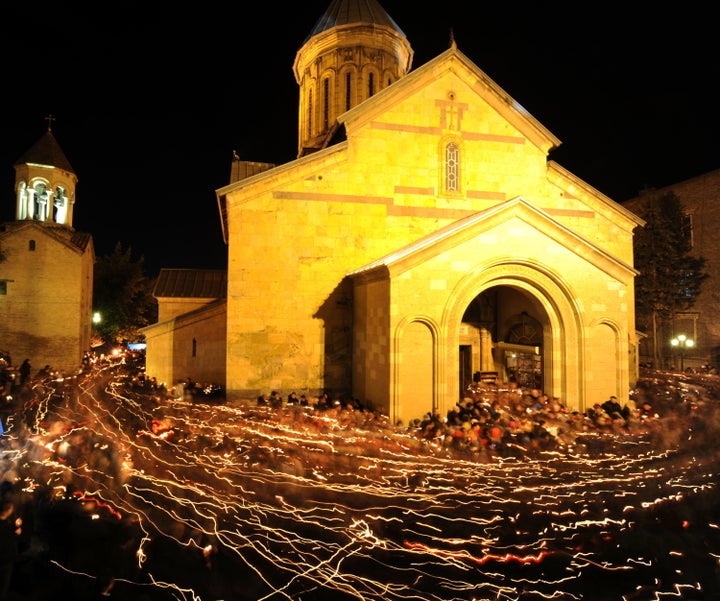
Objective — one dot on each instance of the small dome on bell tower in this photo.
(45, 182)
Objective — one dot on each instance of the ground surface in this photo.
(179, 499)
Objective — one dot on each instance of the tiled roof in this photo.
(46, 151)
(68, 235)
(191, 283)
(81, 239)
(346, 12)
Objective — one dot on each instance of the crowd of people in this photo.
(490, 420)
(503, 420)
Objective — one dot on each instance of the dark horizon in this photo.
(151, 129)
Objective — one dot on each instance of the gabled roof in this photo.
(464, 229)
(368, 110)
(46, 151)
(353, 12)
(191, 283)
(563, 179)
(78, 241)
(454, 60)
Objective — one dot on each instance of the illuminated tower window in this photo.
(687, 228)
(452, 167)
(60, 206)
(309, 113)
(326, 104)
(40, 212)
(348, 91)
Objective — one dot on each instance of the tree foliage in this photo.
(122, 295)
(670, 277)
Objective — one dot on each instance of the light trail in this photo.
(214, 501)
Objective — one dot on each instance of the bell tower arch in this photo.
(45, 182)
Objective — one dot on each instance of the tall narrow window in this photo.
(371, 84)
(309, 113)
(348, 91)
(326, 104)
(194, 348)
(687, 228)
(452, 167)
(60, 205)
(3, 287)
(31, 245)
(40, 212)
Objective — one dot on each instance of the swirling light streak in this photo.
(267, 504)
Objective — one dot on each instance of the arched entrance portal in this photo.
(519, 318)
(502, 338)
(502, 307)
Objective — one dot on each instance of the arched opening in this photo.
(488, 314)
(502, 338)
(416, 370)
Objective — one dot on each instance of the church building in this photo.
(46, 268)
(420, 238)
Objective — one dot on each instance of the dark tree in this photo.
(670, 276)
(122, 295)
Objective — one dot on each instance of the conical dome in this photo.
(45, 183)
(354, 50)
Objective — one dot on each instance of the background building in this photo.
(699, 197)
(188, 340)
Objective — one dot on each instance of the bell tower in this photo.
(45, 182)
(354, 51)
(47, 267)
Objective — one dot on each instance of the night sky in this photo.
(149, 104)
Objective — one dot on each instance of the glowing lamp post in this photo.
(682, 342)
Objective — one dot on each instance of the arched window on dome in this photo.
(309, 113)
(348, 91)
(326, 104)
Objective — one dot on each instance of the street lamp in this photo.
(682, 342)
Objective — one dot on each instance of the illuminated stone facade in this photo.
(405, 255)
(427, 238)
(188, 341)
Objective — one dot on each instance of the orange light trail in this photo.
(223, 501)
